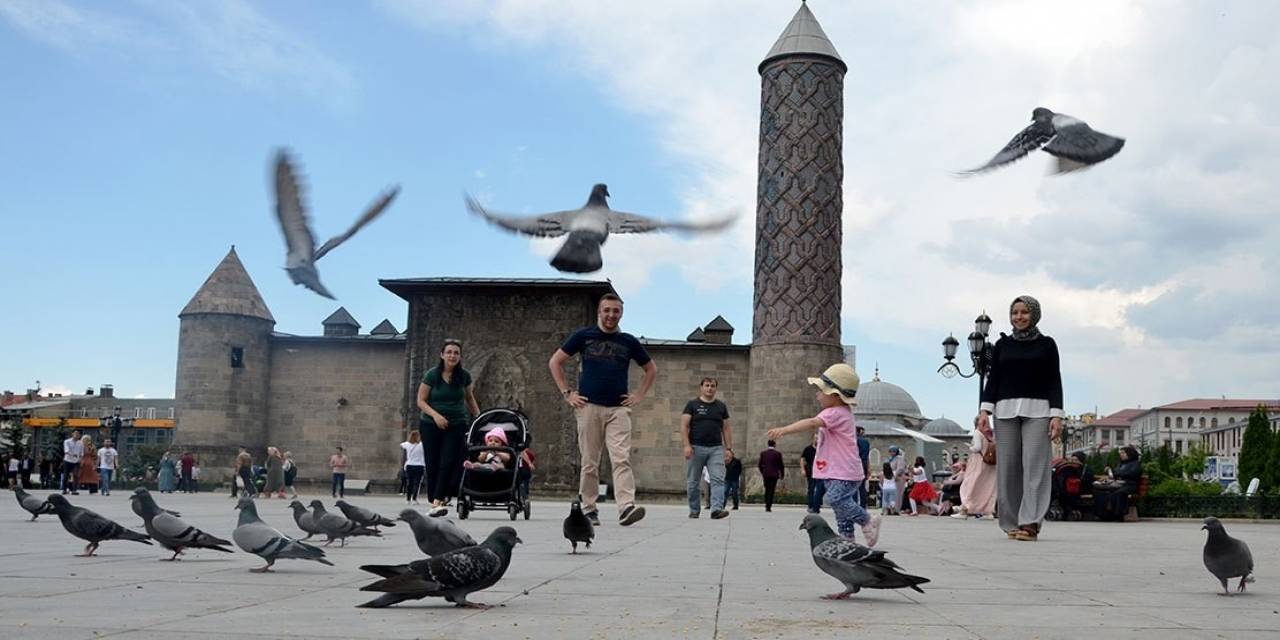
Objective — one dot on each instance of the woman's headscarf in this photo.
(1033, 305)
(1134, 456)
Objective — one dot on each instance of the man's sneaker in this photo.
(631, 515)
(693, 515)
(719, 513)
(594, 517)
(872, 531)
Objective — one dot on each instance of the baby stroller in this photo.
(1067, 490)
(496, 490)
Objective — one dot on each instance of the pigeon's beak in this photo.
(518, 540)
(1204, 527)
(801, 526)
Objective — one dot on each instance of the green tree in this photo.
(1256, 449)
(1191, 463)
(15, 438)
(53, 446)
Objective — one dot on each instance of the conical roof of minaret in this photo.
(803, 36)
(229, 290)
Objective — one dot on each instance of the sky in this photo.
(135, 139)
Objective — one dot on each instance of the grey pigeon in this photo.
(1226, 557)
(337, 527)
(588, 228)
(137, 509)
(363, 516)
(291, 212)
(87, 525)
(170, 531)
(436, 535)
(1069, 139)
(303, 519)
(577, 527)
(35, 506)
(854, 565)
(262, 540)
(451, 576)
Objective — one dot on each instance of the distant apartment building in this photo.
(1217, 423)
(144, 421)
(1108, 432)
(1226, 439)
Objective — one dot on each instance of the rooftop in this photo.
(803, 36)
(1121, 418)
(404, 287)
(230, 291)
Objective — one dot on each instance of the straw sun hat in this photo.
(838, 380)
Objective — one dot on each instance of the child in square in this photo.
(490, 461)
(836, 462)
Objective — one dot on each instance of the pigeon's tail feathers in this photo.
(1083, 145)
(386, 570)
(893, 579)
(385, 600)
(408, 584)
(580, 253)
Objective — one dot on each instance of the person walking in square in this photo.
(72, 451)
(275, 474)
(815, 489)
(447, 399)
(290, 474)
(107, 459)
(708, 442)
(837, 461)
(338, 463)
(602, 404)
(772, 469)
(187, 464)
(242, 469)
(415, 466)
(864, 456)
(732, 479)
(89, 465)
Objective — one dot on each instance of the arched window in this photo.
(1167, 421)
(1201, 422)
(1213, 423)
(1178, 422)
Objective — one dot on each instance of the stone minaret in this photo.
(224, 364)
(796, 327)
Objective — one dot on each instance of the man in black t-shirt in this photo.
(704, 427)
(602, 404)
(817, 489)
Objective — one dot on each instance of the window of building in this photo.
(1213, 423)
(1178, 422)
(137, 412)
(151, 413)
(1167, 422)
(170, 413)
(1119, 437)
(1231, 420)
(1201, 422)
(1106, 436)
(237, 357)
(1178, 447)
(136, 437)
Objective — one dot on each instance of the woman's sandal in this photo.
(1027, 533)
(1013, 533)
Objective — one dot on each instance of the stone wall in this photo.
(780, 395)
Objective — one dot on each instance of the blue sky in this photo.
(137, 141)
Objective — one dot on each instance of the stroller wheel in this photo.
(513, 510)
(1077, 516)
(1054, 514)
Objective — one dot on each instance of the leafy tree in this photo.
(139, 458)
(1256, 449)
(53, 448)
(1191, 463)
(15, 437)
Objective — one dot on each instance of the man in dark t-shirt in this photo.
(816, 489)
(704, 427)
(602, 404)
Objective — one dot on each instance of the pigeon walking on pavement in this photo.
(436, 535)
(291, 211)
(1226, 557)
(577, 527)
(453, 575)
(854, 565)
(170, 531)
(33, 505)
(337, 527)
(304, 520)
(87, 525)
(1073, 142)
(363, 516)
(588, 228)
(137, 509)
(262, 540)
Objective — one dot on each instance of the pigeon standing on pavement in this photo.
(170, 531)
(436, 535)
(588, 228)
(35, 506)
(262, 540)
(137, 509)
(362, 516)
(451, 576)
(854, 565)
(291, 212)
(337, 527)
(304, 520)
(577, 527)
(1226, 557)
(1069, 139)
(87, 525)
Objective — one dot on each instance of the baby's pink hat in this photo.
(496, 432)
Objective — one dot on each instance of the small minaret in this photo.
(796, 324)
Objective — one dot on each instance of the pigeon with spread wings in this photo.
(1073, 142)
(291, 211)
(588, 228)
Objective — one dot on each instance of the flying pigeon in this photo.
(259, 538)
(588, 228)
(303, 519)
(451, 576)
(1226, 557)
(856, 566)
(170, 531)
(87, 525)
(436, 535)
(301, 245)
(337, 527)
(362, 516)
(577, 527)
(35, 506)
(1073, 142)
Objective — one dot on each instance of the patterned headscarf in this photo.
(1033, 305)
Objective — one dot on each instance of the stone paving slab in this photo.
(748, 576)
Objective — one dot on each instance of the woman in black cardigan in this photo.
(1112, 503)
(1024, 393)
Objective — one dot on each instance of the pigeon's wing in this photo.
(91, 526)
(544, 225)
(35, 505)
(622, 222)
(1027, 140)
(368, 216)
(459, 569)
(165, 527)
(291, 212)
(453, 535)
(1229, 559)
(1078, 143)
(845, 550)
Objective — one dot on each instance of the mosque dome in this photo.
(877, 397)
(944, 427)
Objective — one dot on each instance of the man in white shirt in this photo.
(106, 466)
(72, 450)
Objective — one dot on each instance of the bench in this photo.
(1143, 484)
(360, 487)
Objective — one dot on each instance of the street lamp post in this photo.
(980, 353)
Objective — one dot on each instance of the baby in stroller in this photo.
(491, 461)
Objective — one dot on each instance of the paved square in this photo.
(748, 576)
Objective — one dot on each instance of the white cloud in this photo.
(72, 29)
